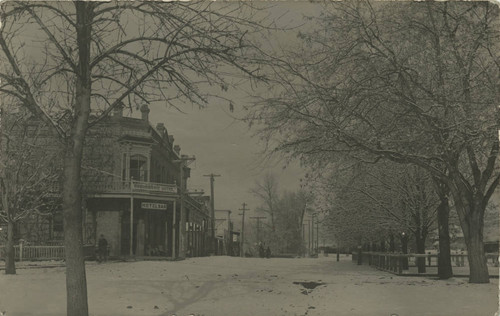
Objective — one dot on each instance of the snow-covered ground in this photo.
(246, 286)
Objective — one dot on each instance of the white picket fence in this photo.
(56, 252)
(23, 252)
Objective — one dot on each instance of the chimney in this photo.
(177, 149)
(118, 111)
(160, 127)
(145, 112)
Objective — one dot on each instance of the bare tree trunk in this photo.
(472, 228)
(404, 250)
(76, 282)
(445, 270)
(475, 253)
(470, 209)
(392, 245)
(10, 263)
(420, 241)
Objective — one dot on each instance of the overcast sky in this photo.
(223, 144)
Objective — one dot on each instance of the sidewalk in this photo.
(35, 264)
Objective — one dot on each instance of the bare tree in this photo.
(415, 83)
(95, 56)
(267, 192)
(24, 175)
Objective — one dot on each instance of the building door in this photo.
(125, 235)
(155, 233)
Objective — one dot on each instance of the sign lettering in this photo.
(153, 206)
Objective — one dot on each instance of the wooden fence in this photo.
(397, 262)
(23, 252)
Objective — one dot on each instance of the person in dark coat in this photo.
(102, 249)
(268, 252)
(261, 250)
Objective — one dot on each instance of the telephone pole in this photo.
(212, 210)
(258, 218)
(317, 234)
(182, 191)
(308, 237)
(242, 240)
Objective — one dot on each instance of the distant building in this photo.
(227, 242)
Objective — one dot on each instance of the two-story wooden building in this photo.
(132, 184)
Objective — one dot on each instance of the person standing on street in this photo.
(102, 249)
(268, 252)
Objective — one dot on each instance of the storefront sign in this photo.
(153, 206)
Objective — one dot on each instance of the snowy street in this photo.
(246, 286)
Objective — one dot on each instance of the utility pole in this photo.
(212, 211)
(308, 237)
(317, 234)
(242, 240)
(182, 192)
(303, 239)
(258, 218)
(311, 236)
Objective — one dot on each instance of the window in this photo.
(138, 168)
(124, 167)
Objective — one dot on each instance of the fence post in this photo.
(21, 250)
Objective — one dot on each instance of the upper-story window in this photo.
(138, 167)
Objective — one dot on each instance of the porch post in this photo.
(131, 220)
(173, 231)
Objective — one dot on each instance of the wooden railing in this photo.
(397, 262)
(119, 186)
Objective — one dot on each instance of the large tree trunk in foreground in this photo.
(470, 208)
(76, 282)
(10, 263)
(472, 228)
(445, 270)
(475, 253)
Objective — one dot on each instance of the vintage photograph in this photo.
(249, 158)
